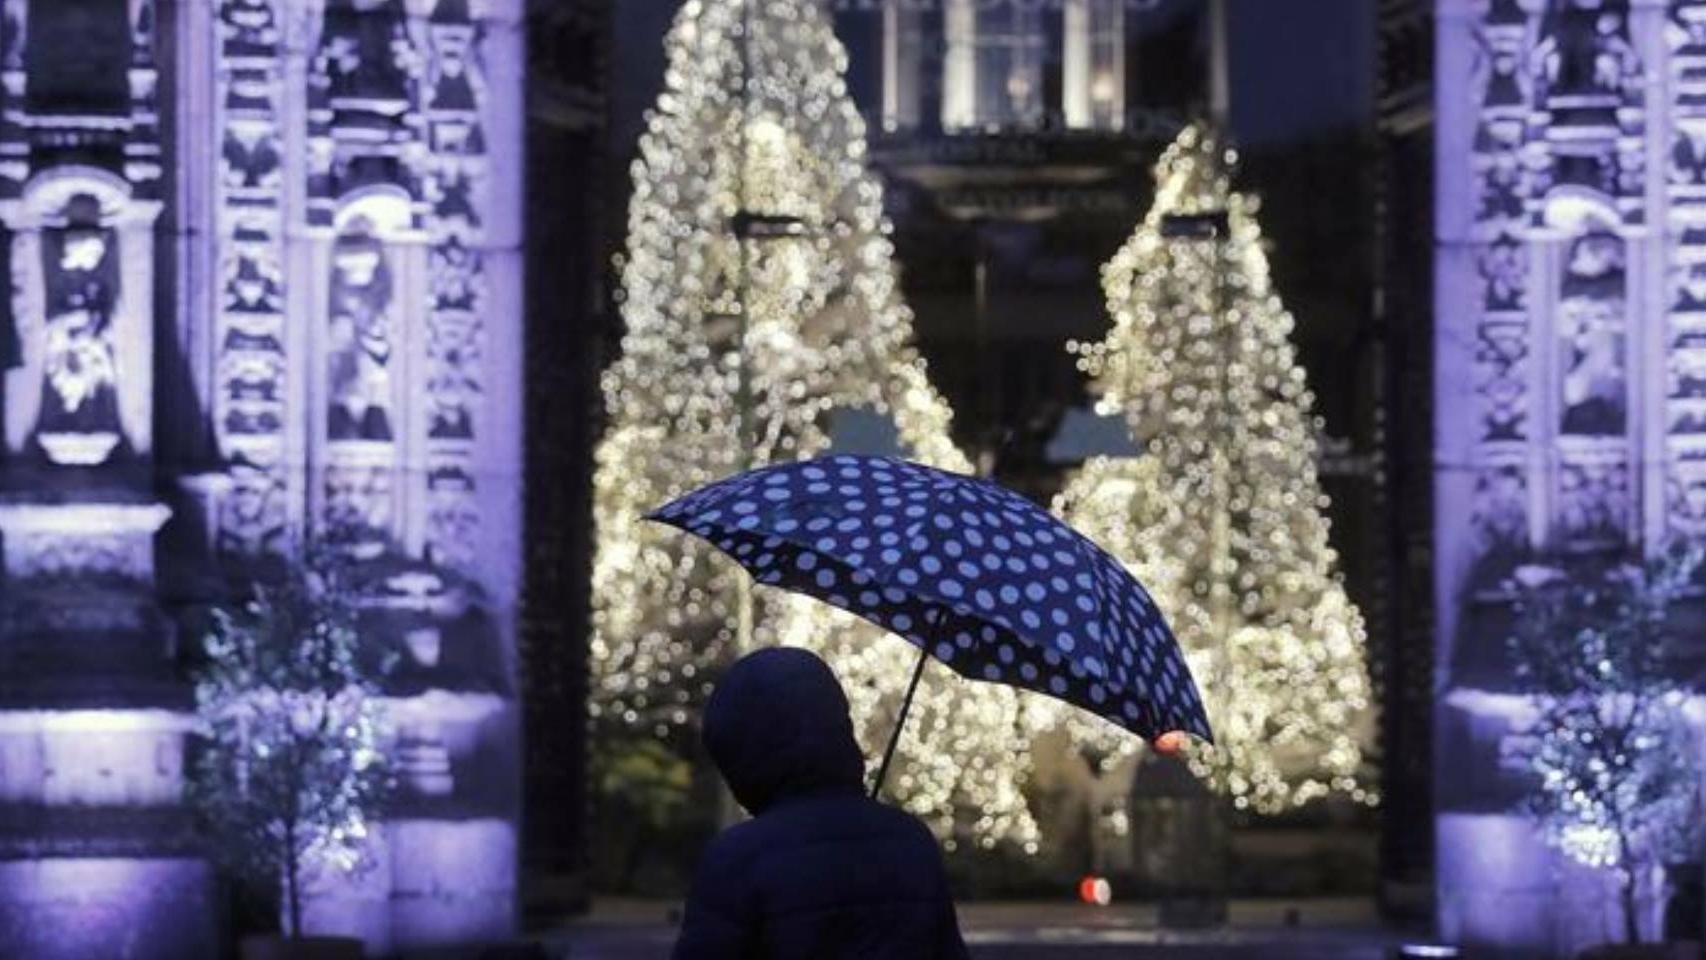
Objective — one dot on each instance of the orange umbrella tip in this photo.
(1170, 742)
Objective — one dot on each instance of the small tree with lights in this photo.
(292, 772)
(1617, 771)
(1223, 517)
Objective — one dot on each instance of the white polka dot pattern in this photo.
(988, 582)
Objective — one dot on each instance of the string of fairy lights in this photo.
(1223, 519)
(737, 353)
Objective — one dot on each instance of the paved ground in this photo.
(1255, 930)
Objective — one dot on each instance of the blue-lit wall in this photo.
(265, 282)
(1570, 329)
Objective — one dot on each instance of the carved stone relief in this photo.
(1590, 319)
(251, 405)
(360, 341)
(79, 422)
(456, 332)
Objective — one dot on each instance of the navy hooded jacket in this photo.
(821, 871)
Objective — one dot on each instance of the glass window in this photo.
(903, 60)
(1094, 82)
(993, 72)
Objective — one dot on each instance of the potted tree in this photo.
(291, 773)
(1617, 777)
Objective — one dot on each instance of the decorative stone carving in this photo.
(455, 335)
(1503, 351)
(360, 338)
(1593, 498)
(1502, 361)
(1500, 510)
(359, 507)
(1590, 320)
(101, 540)
(82, 297)
(331, 284)
(1587, 121)
(1502, 184)
(79, 408)
(1686, 495)
(251, 404)
(1558, 160)
(364, 109)
(1685, 418)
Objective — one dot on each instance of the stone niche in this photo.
(83, 270)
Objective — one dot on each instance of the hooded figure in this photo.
(821, 871)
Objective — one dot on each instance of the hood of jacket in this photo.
(778, 725)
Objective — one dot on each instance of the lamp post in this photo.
(1213, 227)
(749, 228)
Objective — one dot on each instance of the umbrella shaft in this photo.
(899, 723)
(744, 617)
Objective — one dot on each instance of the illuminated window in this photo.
(903, 58)
(993, 72)
(1093, 97)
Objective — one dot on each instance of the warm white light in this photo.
(1221, 519)
(1102, 88)
(734, 358)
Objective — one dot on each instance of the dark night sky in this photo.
(1300, 68)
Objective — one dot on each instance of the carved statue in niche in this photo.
(79, 415)
(359, 354)
(1590, 325)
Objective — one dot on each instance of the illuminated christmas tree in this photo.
(760, 299)
(1222, 517)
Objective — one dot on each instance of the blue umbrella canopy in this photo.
(973, 574)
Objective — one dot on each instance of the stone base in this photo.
(99, 909)
(434, 883)
(1502, 892)
(455, 881)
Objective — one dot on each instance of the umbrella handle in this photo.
(900, 722)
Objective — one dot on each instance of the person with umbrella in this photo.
(972, 574)
(821, 870)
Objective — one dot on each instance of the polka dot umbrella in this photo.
(986, 581)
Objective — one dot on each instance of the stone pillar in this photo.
(98, 856)
(1566, 205)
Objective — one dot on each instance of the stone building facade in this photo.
(1570, 325)
(265, 286)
